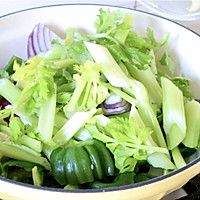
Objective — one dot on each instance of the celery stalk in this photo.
(83, 134)
(60, 120)
(21, 152)
(156, 159)
(147, 113)
(153, 66)
(177, 157)
(173, 113)
(72, 126)
(121, 35)
(11, 92)
(47, 150)
(8, 90)
(37, 178)
(160, 160)
(147, 78)
(192, 113)
(119, 92)
(46, 118)
(32, 143)
(75, 97)
(110, 68)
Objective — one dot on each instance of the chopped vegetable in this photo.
(95, 162)
(40, 40)
(122, 179)
(173, 114)
(192, 110)
(94, 110)
(114, 104)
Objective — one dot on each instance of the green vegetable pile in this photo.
(54, 131)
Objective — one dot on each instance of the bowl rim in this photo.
(126, 187)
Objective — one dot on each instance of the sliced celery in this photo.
(83, 134)
(11, 92)
(110, 68)
(147, 113)
(46, 118)
(75, 97)
(60, 120)
(174, 122)
(21, 152)
(72, 126)
(37, 177)
(121, 35)
(47, 150)
(148, 79)
(192, 112)
(156, 159)
(177, 157)
(8, 90)
(32, 143)
(160, 160)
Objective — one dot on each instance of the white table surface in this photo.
(9, 6)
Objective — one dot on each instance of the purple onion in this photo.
(198, 100)
(3, 105)
(114, 104)
(40, 40)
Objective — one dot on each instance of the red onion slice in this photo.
(30, 50)
(40, 40)
(114, 104)
(47, 40)
(35, 39)
(198, 100)
(117, 110)
(3, 104)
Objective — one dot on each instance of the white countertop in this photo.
(9, 6)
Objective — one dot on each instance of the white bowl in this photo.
(184, 48)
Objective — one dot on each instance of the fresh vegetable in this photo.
(40, 40)
(122, 179)
(192, 110)
(114, 104)
(9, 66)
(143, 177)
(126, 141)
(173, 109)
(82, 164)
(95, 110)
